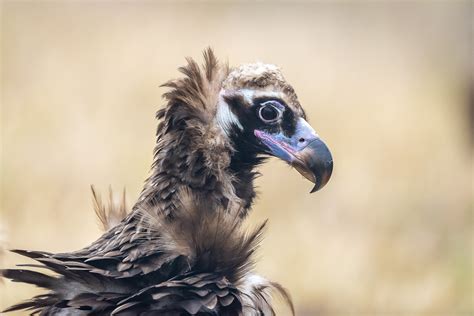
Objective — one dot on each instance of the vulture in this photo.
(182, 249)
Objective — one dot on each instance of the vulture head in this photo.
(260, 113)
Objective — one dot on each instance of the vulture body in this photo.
(182, 249)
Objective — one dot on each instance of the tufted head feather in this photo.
(263, 79)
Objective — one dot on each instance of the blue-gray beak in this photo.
(305, 151)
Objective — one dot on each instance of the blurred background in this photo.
(386, 84)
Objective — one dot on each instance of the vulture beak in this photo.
(304, 151)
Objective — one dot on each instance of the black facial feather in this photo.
(246, 155)
(288, 123)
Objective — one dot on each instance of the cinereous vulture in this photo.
(181, 250)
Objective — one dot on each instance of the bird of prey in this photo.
(181, 250)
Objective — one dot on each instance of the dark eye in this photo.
(268, 113)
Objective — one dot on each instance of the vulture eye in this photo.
(270, 112)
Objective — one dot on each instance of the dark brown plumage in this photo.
(182, 249)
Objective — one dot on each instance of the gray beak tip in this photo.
(322, 177)
(316, 164)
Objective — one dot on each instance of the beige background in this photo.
(385, 84)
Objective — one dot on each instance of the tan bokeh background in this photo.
(385, 84)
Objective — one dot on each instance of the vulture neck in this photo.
(243, 173)
(203, 162)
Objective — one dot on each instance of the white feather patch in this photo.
(251, 94)
(248, 95)
(251, 284)
(225, 118)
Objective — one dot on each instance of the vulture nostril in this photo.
(301, 140)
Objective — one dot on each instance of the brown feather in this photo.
(111, 214)
(182, 249)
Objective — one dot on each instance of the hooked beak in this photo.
(304, 151)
